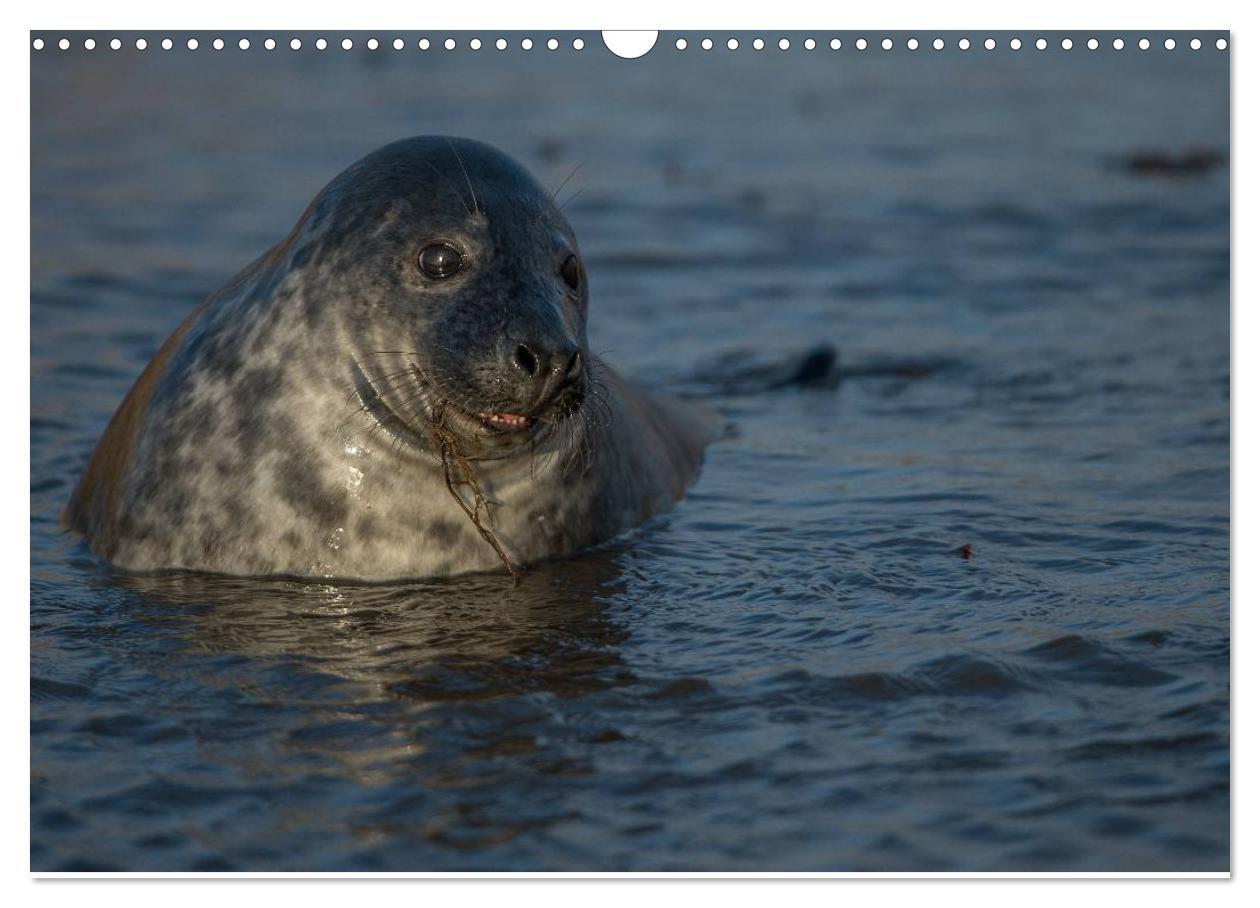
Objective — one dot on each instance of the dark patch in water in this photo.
(1193, 163)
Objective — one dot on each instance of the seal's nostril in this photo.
(526, 359)
(575, 365)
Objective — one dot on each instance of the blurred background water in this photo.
(1024, 261)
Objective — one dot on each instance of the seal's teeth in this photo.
(505, 419)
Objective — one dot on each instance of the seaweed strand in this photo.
(453, 459)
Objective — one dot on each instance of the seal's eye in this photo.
(571, 271)
(441, 260)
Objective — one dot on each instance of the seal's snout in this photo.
(548, 374)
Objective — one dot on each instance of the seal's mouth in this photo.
(501, 429)
(490, 428)
(488, 432)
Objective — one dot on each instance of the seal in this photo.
(401, 388)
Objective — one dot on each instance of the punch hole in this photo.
(938, 44)
(913, 44)
(886, 44)
(321, 44)
(963, 44)
(990, 44)
(810, 43)
(1195, 43)
(243, 44)
(860, 44)
(836, 44)
(167, 44)
(553, 44)
(1221, 44)
(578, 44)
(399, 44)
(1041, 44)
(218, 44)
(1016, 44)
(629, 45)
(758, 44)
(89, 44)
(475, 44)
(732, 44)
(192, 43)
(373, 44)
(141, 44)
(64, 44)
(527, 44)
(449, 43)
(1092, 44)
(423, 44)
(1144, 44)
(347, 44)
(1170, 44)
(38, 44)
(784, 44)
(1066, 44)
(270, 44)
(115, 44)
(681, 44)
(501, 44)
(1118, 44)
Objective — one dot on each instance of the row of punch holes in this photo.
(705, 44)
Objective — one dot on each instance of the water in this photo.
(797, 669)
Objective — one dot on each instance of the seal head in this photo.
(476, 286)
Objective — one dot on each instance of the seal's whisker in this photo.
(408, 370)
(571, 446)
(396, 383)
(599, 395)
(455, 151)
(573, 196)
(565, 181)
(590, 436)
(444, 177)
(575, 438)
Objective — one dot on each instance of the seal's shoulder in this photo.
(673, 432)
(94, 506)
